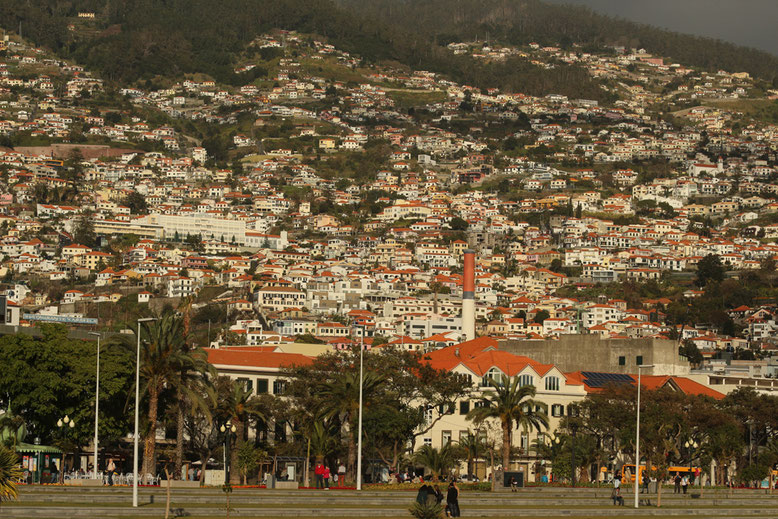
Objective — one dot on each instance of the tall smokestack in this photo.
(468, 296)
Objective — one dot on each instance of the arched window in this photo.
(552, 383)
(525, 380)
(493, 374)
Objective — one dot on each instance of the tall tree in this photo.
(163, 359)
(510, 403)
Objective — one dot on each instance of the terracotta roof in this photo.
(248, 357)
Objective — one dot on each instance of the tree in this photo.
(10, 472)
(458, 224)
(709, 269)
(164, 357)
(472, 445)
(46, 376)
(136, 202)
(541, 316)
(249, 457)
(510, 404)
(238, 406)
(84, 231)
(437, 461)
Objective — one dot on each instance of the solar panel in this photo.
(598, 380)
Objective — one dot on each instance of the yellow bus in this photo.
(630, 469)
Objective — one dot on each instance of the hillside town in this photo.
(329, 204)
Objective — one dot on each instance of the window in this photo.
(445, 438)
(557, 410)
(248, 384)
(261, 386)
(278, 387)
(622, 360)
(552, 383)
(526, 380)
(280, 432)
(572, 410)
(429, 414)
(464, 407)
(639, 360)
(493, 374)
(428, 441)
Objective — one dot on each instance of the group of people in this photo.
(431, 493)
(323, 474)
(681, 483)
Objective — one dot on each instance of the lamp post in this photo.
(637, 438)
(64, 424)
(137, 407)
(359, 428)
(691, 446)
(97, 396)
(573, 429)
(227, 429)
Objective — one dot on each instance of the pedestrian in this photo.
(341, 473)
(684, 483)
(514, 485)
(318, 472)
(677, 481)
(326, 475)
(438, 494)
(110, 469)
(646, 479)
(421, 496)
(452, 499)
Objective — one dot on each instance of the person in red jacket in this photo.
(319, 472)
(326, 474)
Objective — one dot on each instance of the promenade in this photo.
(67, 502)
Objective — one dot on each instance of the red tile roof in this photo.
(250, 357)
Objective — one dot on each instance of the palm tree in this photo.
(163, 359)
(472, 445)
(190, 384)
(238, 405)
(511, 404)
(437, 461)
(340, 398)
(9, 473)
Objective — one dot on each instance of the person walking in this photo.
(452, 499)
(110, 468)
(684, 483)
(677, 481)
(646, 480)
(438, 494)
(326, 475)
(341, 473)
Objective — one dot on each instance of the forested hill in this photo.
(133, 40)
(139, 39)
(525, 21)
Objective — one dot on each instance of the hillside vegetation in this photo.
(136, 40)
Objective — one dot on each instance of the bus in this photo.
(628, 472)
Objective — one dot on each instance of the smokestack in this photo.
(468, 296)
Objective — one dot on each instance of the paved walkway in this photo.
(66, 502)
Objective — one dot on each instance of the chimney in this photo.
(456, 352)
(468, 296)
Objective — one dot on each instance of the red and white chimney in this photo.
(468, 296)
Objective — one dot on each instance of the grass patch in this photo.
(412, 98)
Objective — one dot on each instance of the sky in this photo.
(746, 22)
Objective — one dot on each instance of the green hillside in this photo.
(136, 40)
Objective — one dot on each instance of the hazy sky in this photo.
(746, 22)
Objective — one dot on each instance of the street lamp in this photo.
(637, 437)
(228, 428)
(137, 407)
(573, 429)
(64, 424)
(97, 396)
(359, 428)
